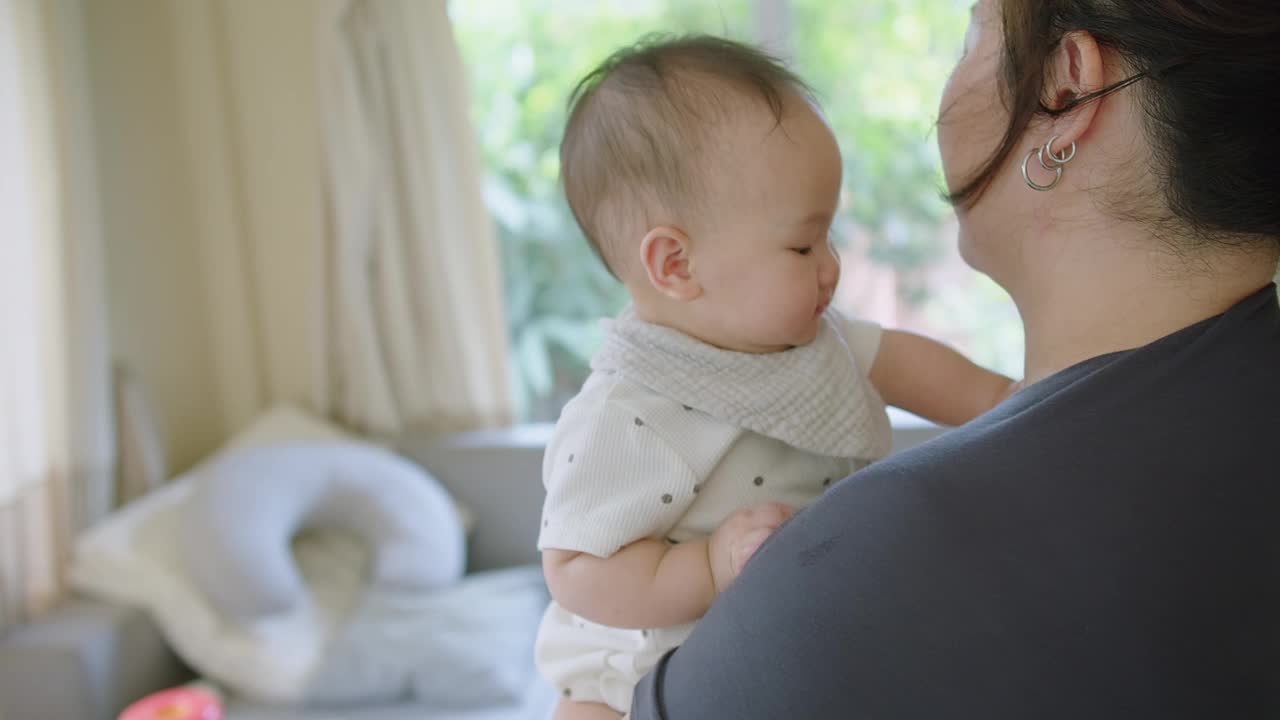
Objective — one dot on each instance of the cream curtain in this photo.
(56, 457)
(348, 261)
(411, 329)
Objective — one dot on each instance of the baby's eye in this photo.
(802, 250)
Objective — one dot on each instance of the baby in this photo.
(728, 393)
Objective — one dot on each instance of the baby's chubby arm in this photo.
(651, 583)
(925, 377)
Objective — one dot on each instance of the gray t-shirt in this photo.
(1106, 544)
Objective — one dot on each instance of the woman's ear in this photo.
(1078, 70)
(665, 254)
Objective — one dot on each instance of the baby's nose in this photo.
(829, 270)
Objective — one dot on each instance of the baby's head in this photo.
(705, 178)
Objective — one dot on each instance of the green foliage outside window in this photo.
(877, 65)
(879, 68)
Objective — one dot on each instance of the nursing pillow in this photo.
(246, 508)
(150, 553)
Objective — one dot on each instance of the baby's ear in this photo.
(665, 254)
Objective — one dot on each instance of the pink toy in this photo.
(183, 703)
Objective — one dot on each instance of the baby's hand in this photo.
(739, 536)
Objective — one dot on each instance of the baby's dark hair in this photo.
(641, 123)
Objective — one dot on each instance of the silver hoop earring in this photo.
(1057, 172)
(1063, 158)
(1053, 163)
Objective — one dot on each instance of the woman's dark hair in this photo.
(1208, 76)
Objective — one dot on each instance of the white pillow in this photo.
(135, 558)
(132, 559)
(464, 647)
(245, 511)
(286, 423)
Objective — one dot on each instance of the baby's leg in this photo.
(570, 710)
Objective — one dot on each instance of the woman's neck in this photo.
(1093, 294)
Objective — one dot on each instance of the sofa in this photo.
(87, 660)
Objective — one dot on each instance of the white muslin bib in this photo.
(814, 397)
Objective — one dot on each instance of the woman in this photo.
(1105, 543)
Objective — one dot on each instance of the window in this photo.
(879, 67)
